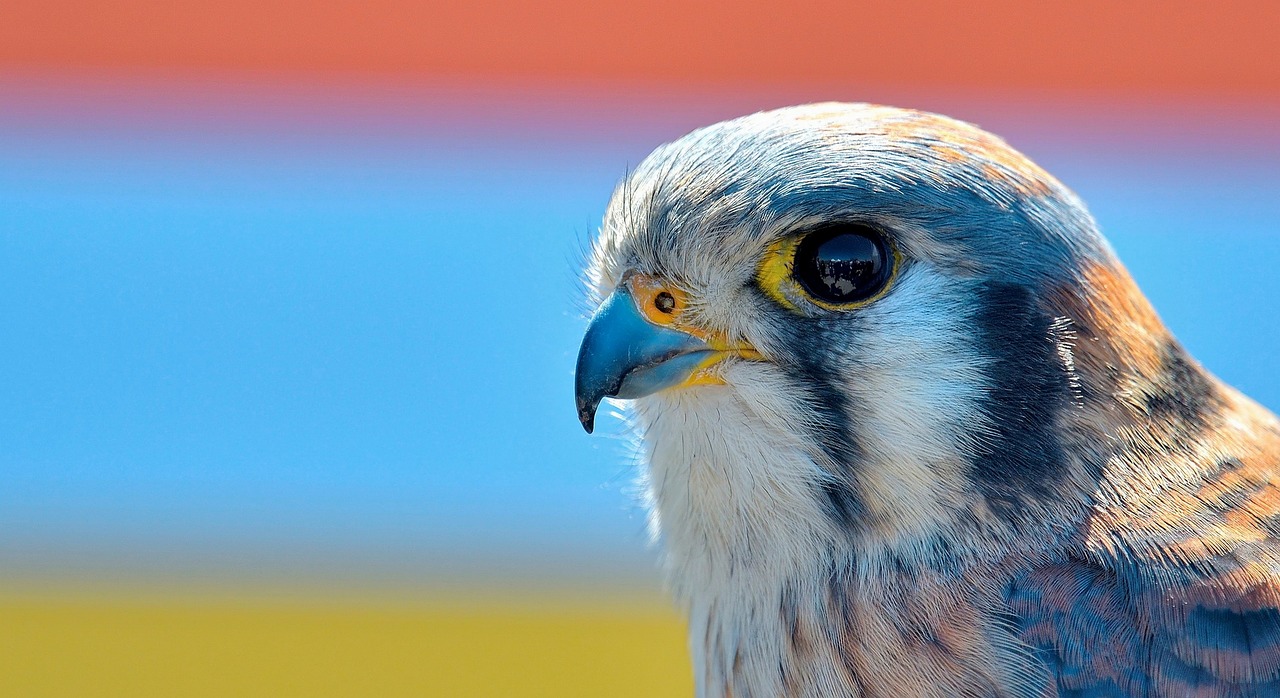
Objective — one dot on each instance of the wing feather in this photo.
(1181, 598)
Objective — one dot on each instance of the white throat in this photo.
(734, 507)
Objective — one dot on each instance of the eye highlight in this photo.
(836, 267)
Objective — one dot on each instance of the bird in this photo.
(907, 427)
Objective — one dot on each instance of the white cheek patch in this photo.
(734, 488)
(736, 498)
(915, 378)
(775, 400)
(724, 461)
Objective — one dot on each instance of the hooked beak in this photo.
(632, 348)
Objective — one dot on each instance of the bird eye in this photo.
(843, 264)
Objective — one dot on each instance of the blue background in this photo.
(254, 344)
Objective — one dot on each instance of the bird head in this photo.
(857, 315)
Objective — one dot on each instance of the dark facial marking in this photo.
(1028, 388)
(1182, 392)
(811, 361)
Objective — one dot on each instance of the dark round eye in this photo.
(843, 263)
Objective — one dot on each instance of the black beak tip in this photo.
(587, 415)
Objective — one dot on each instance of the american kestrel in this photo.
(909, 428)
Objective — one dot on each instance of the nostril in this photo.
(665, 302)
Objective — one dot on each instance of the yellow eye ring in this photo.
(844, 262)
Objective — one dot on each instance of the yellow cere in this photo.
(663, 304)
(775, 276)
(659, 303)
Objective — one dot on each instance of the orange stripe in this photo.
(1175, 47)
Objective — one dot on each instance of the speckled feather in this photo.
(1002, 478)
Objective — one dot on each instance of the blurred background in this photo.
(289, 303)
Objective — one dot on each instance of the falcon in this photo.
(909, 428)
